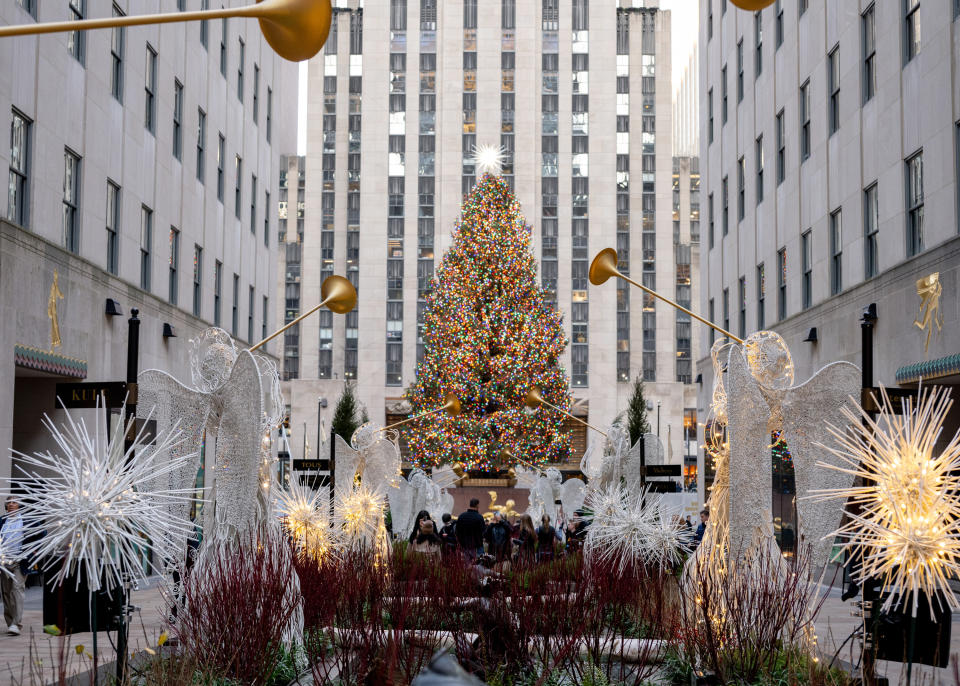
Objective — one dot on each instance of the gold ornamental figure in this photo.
(55, 294)
(929, 289)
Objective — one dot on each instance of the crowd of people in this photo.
(502, 542)
(498, 539)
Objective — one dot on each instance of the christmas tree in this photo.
(489, 337)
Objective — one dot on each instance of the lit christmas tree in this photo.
(489, 336)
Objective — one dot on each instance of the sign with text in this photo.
(86, 395)
(662, 470)
(311, 465)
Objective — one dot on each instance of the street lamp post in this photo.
(658, 419)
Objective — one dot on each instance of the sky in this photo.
(684, 27)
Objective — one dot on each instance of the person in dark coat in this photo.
(527, 543)
(421, 516)
(448, 532)
(498, 536)
(470, 527)
(702, 527)
(547, 535)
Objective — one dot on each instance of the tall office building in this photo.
(142, 173)
(818, 120)
(578, 93)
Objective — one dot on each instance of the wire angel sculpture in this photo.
(547, 488)
(415, 493)
(91, 507)
(234, 397)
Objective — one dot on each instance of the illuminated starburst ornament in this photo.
(488, 159)
(633, 528)
(304, 514)
(359, 517)
(908, 524)
(94, 506)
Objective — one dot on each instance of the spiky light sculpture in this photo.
(359, 516)
(304, 513)
(631, 528)
(905, 518)
(97, 505)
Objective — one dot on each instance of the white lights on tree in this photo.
(904, 507)
(90, 508)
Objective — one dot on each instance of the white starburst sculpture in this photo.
(90, 507)
(905, 519)
(633, 528)
(359, 519)
(305, 514)
(488, 159)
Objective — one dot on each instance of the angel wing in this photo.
(380, 462)
(807, 408)
(237, 480)
(750, 465)
(572, 494)
(402, 507)
(345, 468)
(170, 403)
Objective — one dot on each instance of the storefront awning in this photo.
(49, 362)
(931, 369)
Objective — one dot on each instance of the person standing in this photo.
(470, 526)
(448, 532)
(702, 527)
(13, 582)
(527, 542)
(547, 535)
(497, 537)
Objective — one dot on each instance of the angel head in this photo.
(212, 355)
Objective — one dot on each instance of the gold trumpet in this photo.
(604, 266)
(451, 403)
(338, 294)
(295, 29)
(535, 399)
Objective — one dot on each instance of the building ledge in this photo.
(931, 369)
(49, 362)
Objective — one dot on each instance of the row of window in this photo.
(915, 244)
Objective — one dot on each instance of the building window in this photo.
(146, 246)
(833, 90)
(759, 170)
(201, 142)
(782, 284)
(235, 312)
(150, 88)
(871, 229)
(223, 47)
(71, 201)
(805, 121)
(238, 175)
(113, 226)
(915, 204)
(806, 266)
(221, 154)
(243, 53)
(724, 217)
(264, 320)
(723, 6)
(723, 95)
(217, 292)
(740, 71)
(204, 25)
(76, 39)
(710, 219)
(781, 149)
(256, 91)
(29, 6)
(742, 299)
(710, 314)
(911, 29)
(709, 19)
(802, 6)
(251, 299)
(761, 298)
(758, 41)
(197, 282)
(266, 219)
(269, 112)
(253, 205)
(741, 189)
(726, 309)
(116, 58)
(710, 116)
(177, 119)
(868, 40)
(174, 268)
(778, 10)
(581, 15)
(836, 253)
(18, 183)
